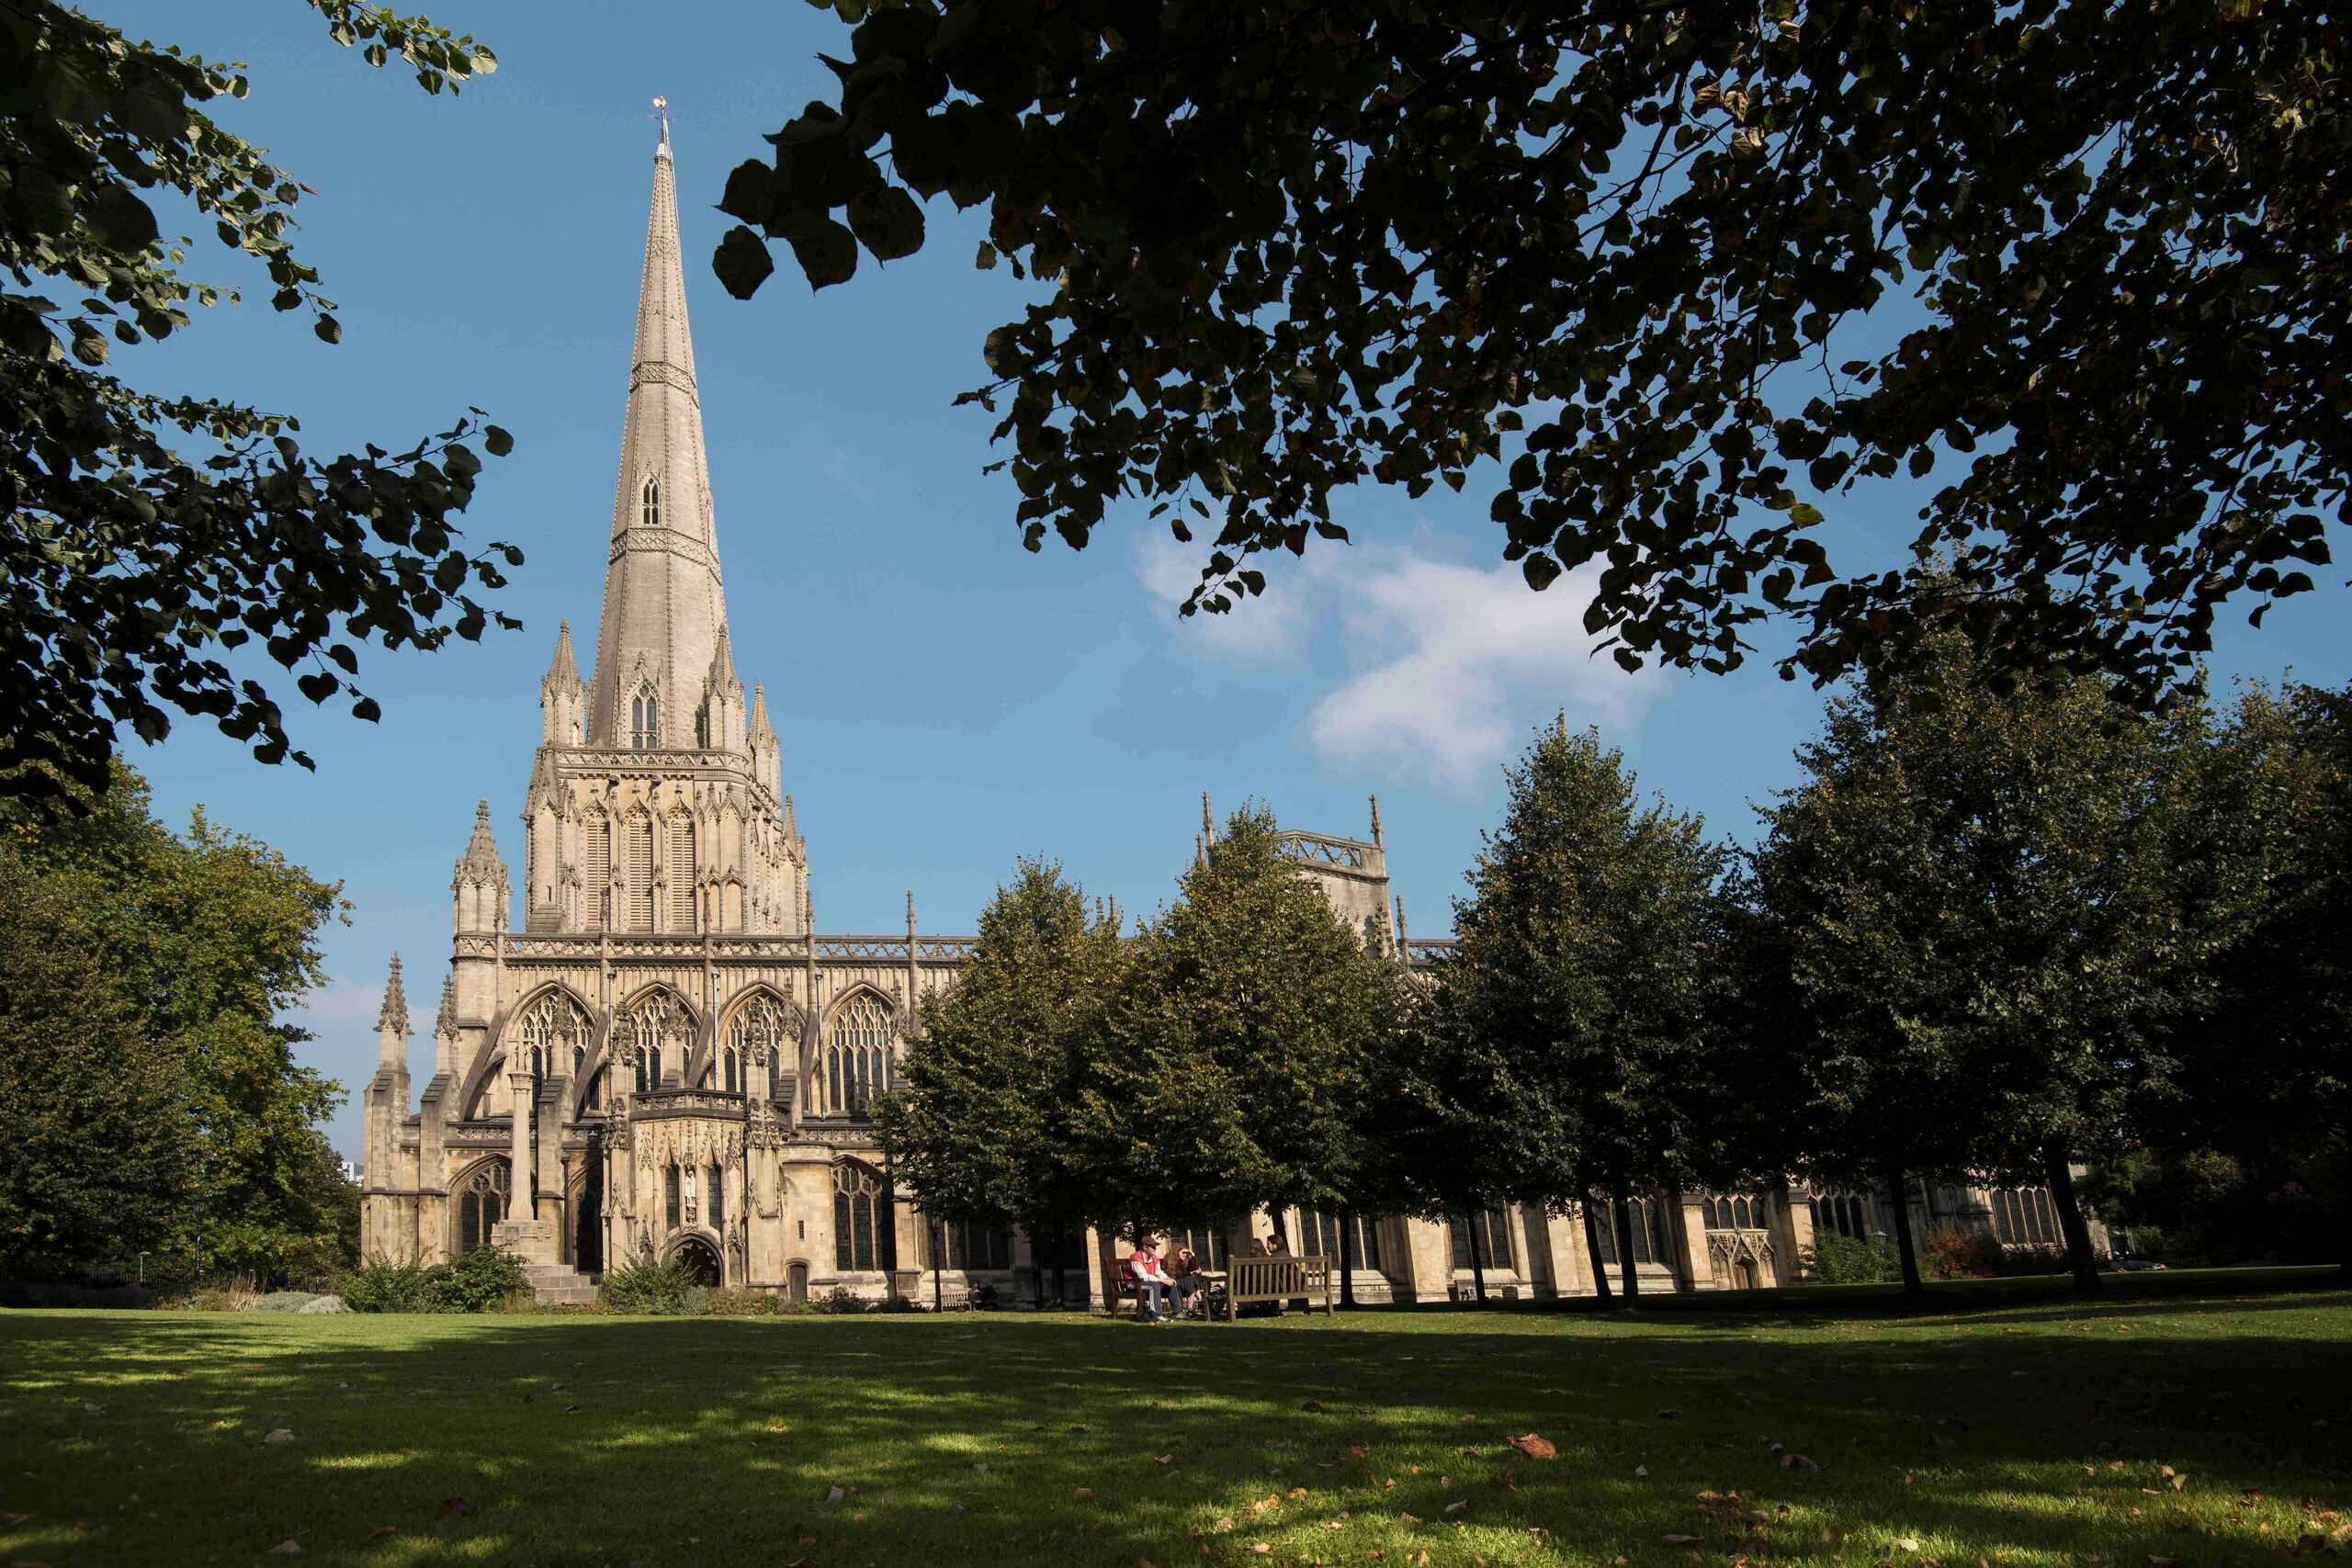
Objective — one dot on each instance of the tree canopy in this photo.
(148, 535)
(149, 1094)
(1236, 1070)
(980, 1125)
(1282, 246)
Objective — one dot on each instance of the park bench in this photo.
(1278, 1279)
(1123, 1288)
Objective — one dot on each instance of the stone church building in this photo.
(648, 1049)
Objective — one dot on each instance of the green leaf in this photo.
(888, 222)
(1541, 572)
(826, 250)
(741, 261)
(329, 329)
(496, 442)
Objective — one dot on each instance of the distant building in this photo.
(351, 1173)
(665, 1061)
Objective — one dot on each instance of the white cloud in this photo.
(1271, 626)
(1448, 666)
(1473, 660)
(339, 1007)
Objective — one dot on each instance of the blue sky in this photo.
(946, 701)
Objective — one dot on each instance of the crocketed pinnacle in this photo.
(445, 1022)
(759, 724)
(561, 668)
(393, 1015)
(482, 850)
(663, 607)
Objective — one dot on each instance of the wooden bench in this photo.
(1122, 1289)
(1250, 1281)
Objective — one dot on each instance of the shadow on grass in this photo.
(143, 1437)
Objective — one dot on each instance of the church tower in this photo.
(654, 805)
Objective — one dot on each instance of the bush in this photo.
(478, 1282)
(697, 1301)
(285, 1300)
(1836, 1259)
(1950, 1253)
(742, 1303)
(381, 1285)
(840, 1298)
(648, 1286)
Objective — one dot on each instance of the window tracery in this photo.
(756, 1033)
(857, 1055)
(651, 507)
(858, 1222)
(645, 718)
(481, 1204)
(656, 1028)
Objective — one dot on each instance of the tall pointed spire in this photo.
(664, 606)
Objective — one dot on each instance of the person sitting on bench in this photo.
(1151, 1284)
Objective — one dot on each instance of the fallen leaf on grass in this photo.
(1312, 1404)
(1457, 1506)
(1678, 1540)
(802, 1563)
(14, 1518)
(1357, 1451)
(1261, 1549)
(1798, 1462)
(1164, 1459)
(287, 1548)
(1265, 1503)
(380, 1532)
(834, 1494)
(1082, 1493)
(1534, 1446)
(1908, 1544)
(1296, 1493)
(1667, 1415)
(451, 1507)
(2164, 1563)
(282, 1435)
(1224, 1523)
(1641, 1472)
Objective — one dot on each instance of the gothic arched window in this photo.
(734, 1072)
(548, 1025)
(645, 718)
(1489, 1233)
(657, 1023)
(652, 509)
(481, 1204)
(857, 1058)
(758, 1031)
(858, 1222)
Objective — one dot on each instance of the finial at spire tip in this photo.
(661, 110)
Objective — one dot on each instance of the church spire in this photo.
(665, 607)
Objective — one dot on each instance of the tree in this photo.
(2274, 1065)
(129, 566)
(1238, 1059)
(1992, 924)
(1586, 961)
(1286, 246)
(148, 1092)
(980, 1125)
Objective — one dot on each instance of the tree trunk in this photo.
(1903, 1245)
(1621, 1196)
(1061, 1260)
(1347, 1257)
(2060, 1174)
(1478, 1264)
(1592, 1251)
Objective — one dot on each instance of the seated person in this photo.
(1185, 1270)
(1151, 1282)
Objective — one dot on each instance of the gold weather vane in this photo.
(662, 109)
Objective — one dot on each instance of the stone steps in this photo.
(559, 1285)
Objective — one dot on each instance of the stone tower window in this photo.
(645, 719)
(857, 1058)
(652, 508)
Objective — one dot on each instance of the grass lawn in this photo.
(1985, 1428)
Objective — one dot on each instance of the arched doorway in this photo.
(702, 1259)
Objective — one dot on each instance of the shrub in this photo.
(381, 1285)
(840, 1298)
(648, 1286)
(1836, 1259)
(1950, 1253)
(478, 1282)
(285, 1300)
(698, 1301)
(742, 1303)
